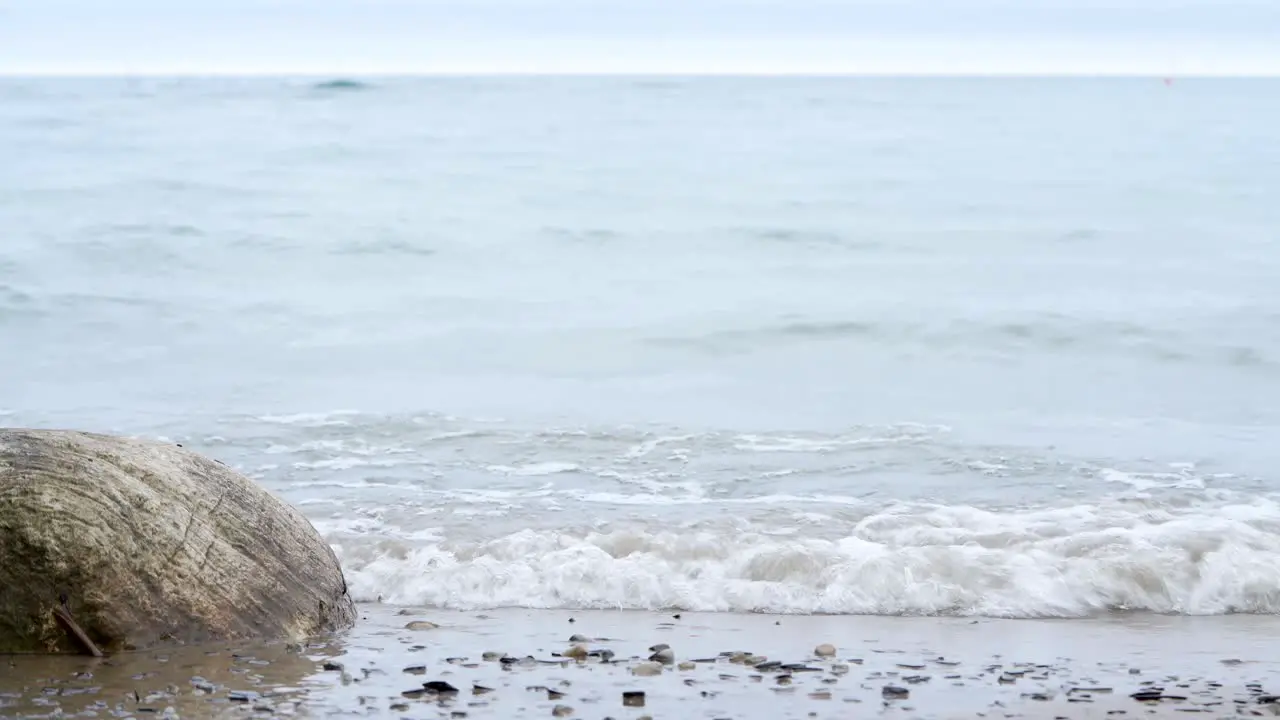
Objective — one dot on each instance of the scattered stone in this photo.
(825, 650)
(577, 652)
(440, 687)
(480, 689)
(686, 665)
(633, 698)
(647, 669)
(893, 692)
(561, 711)
(491, 656)
(421, 625)
(664, 655)
(332, 666)
(416, 669)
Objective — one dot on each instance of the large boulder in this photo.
(141, 544)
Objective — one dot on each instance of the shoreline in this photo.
(948, 668)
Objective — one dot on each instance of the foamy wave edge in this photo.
(1071, 562)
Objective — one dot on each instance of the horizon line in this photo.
(412, 74)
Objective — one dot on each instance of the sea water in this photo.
(847, 345)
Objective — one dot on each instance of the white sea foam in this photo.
(346, 463)
(1062, 562)
(1182, 478)
(535, 469)
(332, 418)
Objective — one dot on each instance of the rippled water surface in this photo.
(1002, 347)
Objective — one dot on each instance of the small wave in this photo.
(1046, 333)
(342, 85)
(582, 236)
(12, 297)
(942, 560)
(388, 247)
(322, 419)
(535, 469)
(796, 238)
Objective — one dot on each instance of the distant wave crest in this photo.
(342, 84)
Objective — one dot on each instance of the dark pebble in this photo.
(416, 669)
(332, 666)
(894, 692)
(633, 698)
(440, 687)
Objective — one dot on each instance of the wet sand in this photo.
(518, 663)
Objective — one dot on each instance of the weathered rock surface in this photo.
(147, 544)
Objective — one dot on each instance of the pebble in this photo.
(421, 625)
(577, 652)
(815, 680)
(893, 692)
(664, 655)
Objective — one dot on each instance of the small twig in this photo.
(73, 629)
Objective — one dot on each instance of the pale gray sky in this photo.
(1164, 37)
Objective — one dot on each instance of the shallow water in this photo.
(993, 347)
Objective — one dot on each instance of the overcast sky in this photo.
(1163, 37)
